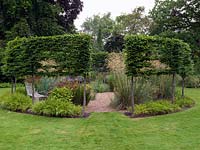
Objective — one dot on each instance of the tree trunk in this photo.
(33, 89)
(173, 87)
(15, 81)
(84, 97)
(183, 87)
(132, 95)
(12, 86)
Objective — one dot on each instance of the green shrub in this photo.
(141, 109)
(155, 108)
(72, 91)
(78, 93)
(63, 93)
(57, 108)
(185, 102)
(100, 87)
(162, 107)
(16, 102)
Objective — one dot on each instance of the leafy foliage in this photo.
(156, 108)
(64, 94)
(15, 102)
(139, 51)
(98, 61)
(41, 18)
(70, 54)
(115, 43)
(142, 50)
(57, 108)
(176, 15)
(163, 107)
(185, 102)
(100, 28)
(93, 24)
(134, 23)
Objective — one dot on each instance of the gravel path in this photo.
(101, 103)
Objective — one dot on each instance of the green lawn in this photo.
(103, 131)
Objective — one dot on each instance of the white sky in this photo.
(116, 7)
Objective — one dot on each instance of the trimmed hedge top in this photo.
(64, 54)
(142, 50)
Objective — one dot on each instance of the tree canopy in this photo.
(37, 17)
(134, 23)
(100, 27)
(176, 15)
(110, 32)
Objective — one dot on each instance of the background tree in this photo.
(36, 17)
(115, 43)
(100, 27)
(134, 23)
(176, 15)
(99, 42)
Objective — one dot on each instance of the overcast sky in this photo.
(116, 7)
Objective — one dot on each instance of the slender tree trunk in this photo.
(12, 86)
(33, 89)
(132, 95)
(183, 87)
(15, 81)
(84, 97)
(173, 87)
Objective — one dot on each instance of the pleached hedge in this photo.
(53, 55)
(142, 50)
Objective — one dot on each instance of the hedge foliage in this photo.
(64, 54)
(141, 50)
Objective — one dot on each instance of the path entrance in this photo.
(101, 103)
